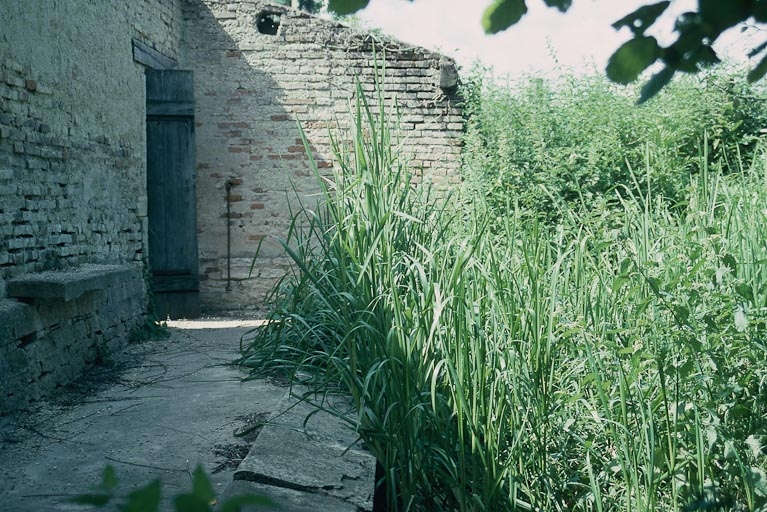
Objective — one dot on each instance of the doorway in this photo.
(171, 193)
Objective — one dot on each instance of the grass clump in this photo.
(613, 360)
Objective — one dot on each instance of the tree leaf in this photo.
(755, 445)
(344, 7)
(719, 15)
(745, 291)
(730, 261)
(146, 499)
(633, 57)
(562, 5)
(502, 14)
(757, 478)
(639, 20)
(656, 84)
(758, 71)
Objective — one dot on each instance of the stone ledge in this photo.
(67, 284)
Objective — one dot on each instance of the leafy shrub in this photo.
(611, 362)
(147, 498)
(537, 142)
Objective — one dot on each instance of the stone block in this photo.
(17, 320)
(318, 456)
(67, 285)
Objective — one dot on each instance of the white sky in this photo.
(582, 39)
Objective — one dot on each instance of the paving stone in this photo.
(320, 457)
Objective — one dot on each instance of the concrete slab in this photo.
(160, 409)
(318, 457)
(286, 500)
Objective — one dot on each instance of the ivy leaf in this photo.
(633, 57)
(639, 20)
(502, 14)
(655, 84)
(344, 7)
(562, 5)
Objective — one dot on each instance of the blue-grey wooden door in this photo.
(171, 193)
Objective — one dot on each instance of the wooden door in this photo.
(171, 193)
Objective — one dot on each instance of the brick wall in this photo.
(72, 178)
(47, 342)
(251, 87)
(72, 130)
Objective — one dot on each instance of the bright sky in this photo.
(581, 39)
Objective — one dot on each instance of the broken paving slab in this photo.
(285, 500)
(318, 457)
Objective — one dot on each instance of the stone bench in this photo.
(55, 324)
(67, 285)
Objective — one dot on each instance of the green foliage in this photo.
(147, 498)
(345, 7)
(502, 14)
(613, 361)
(633, 57)
(313, 6)
(540, 143)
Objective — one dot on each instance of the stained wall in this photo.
(260, 68)
(72, 181)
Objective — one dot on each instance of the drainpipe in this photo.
(228, 236)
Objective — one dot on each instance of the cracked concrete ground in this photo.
(157, 411)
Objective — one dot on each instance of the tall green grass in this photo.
(615, 361)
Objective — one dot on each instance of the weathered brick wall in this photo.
(72, 130)
(250, 89)
(47, 342)
(72, 177)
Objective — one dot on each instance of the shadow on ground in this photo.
(156, 410)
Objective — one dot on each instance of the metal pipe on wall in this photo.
(228, 235)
